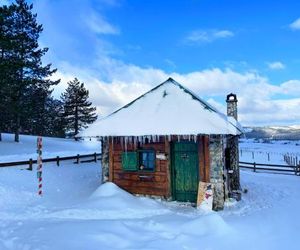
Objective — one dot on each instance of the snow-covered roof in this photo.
(167, 109)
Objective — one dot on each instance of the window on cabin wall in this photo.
(147, 160)
(143, 160)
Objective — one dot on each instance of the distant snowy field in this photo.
(271, 152)
(52, 147)
(76, 212)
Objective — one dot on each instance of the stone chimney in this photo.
(232, 105)
(233, 151)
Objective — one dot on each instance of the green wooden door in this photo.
(185, 171)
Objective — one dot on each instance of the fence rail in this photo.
(93, 157)
(270, 167)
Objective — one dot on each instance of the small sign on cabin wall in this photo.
(161, 156)
(205, 196)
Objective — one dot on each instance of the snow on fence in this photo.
(294, 169)
(93, 158)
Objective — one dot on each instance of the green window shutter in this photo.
(130, 161)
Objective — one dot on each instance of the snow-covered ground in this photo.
(76, 212)
(52, 147)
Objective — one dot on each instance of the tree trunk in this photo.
(0, 137)
(17, 130)
(76, 122)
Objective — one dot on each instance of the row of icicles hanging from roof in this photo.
(125, 140)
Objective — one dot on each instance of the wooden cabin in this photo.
(166, 141)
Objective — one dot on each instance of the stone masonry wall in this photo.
(216, 174)
(234, 179)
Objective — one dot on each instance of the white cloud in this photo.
(276, 65)
(291, 87)
(206, 36)
(99, 25)
(119, 83)
(295, 25)
(274, 112)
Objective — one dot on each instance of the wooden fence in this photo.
(291, 159)
(270, 167)
(78, 159)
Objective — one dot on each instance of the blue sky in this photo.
(122, 48)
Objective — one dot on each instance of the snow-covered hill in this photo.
(274, 132)
(77, 212)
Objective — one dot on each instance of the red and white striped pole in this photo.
(39, 167)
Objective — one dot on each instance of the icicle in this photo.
(178, 138)
(169, 137)
(189, 137)
(125, 141)
(195, 138)
(136, 139)
(121, 141)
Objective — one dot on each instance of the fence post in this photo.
(254, 167)
(268, 156)
(241, 153)
(252, 155)
(78, 157)
(95, 157)
(30, 164)
(57, 161)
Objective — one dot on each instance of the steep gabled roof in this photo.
(167, 109)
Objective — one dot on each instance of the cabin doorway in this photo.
(185, 171)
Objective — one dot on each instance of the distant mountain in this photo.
(274, 132)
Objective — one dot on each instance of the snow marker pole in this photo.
(39, 167)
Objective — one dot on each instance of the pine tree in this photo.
(48, 120)
(26, 73)
(55, 118)
(78, 111)
(5, 65)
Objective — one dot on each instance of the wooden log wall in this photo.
(204, 159)
(141, 182)
(157, 183)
